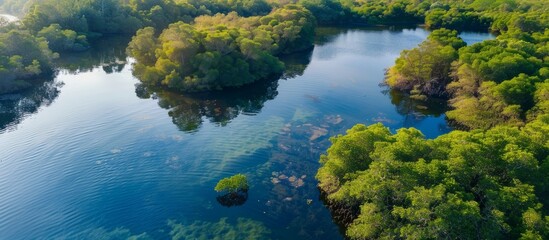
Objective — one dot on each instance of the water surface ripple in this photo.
(109, 158)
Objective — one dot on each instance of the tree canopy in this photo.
(489, 183)
(235, 183)
(22, 57)
(488, 83)
(480, 184)
(425, 69)
(224, 50)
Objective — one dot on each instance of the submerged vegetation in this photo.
(243, 228)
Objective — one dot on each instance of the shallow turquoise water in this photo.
(94, 154)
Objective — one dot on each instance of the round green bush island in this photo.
(233, 184)
(220, 51)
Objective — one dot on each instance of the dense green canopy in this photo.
(425, 69)
(224, 50)
(496, 81)
(275, 27)
(490, 183)
(483, 184)
(235, 183)
(488, 83)
(22, 56)
(469, 185)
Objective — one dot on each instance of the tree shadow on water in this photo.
(416, 110)
(107, 53)
(233, 199)
(17, 106)
(189, 110)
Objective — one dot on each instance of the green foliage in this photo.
(447, 37)
(22, 56)
(541, 100)
(480, 15)
(222, 50)
(484, 108)
(385, 12)
(63, 40)
(425, 69)
(325, 11)
(236, 183)
(495, 82)
(244, 8)
(347, 154)
(489, 83)
(143, 45)
(457, 18)
(519, 91)
(479, 184)
(117, 16)
(501, 59)
(83, 16)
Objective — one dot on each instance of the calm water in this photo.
(92, 154)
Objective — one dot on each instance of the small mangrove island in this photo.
(234, 190)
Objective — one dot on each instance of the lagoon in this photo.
(92, 153)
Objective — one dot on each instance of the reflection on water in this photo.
(326, 35)
(188, 110)
(16, 106)
(377, 43)
(108, 52)
(233, 199)
(296, 63)
(415, 110)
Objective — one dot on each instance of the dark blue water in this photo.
(101, 157)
